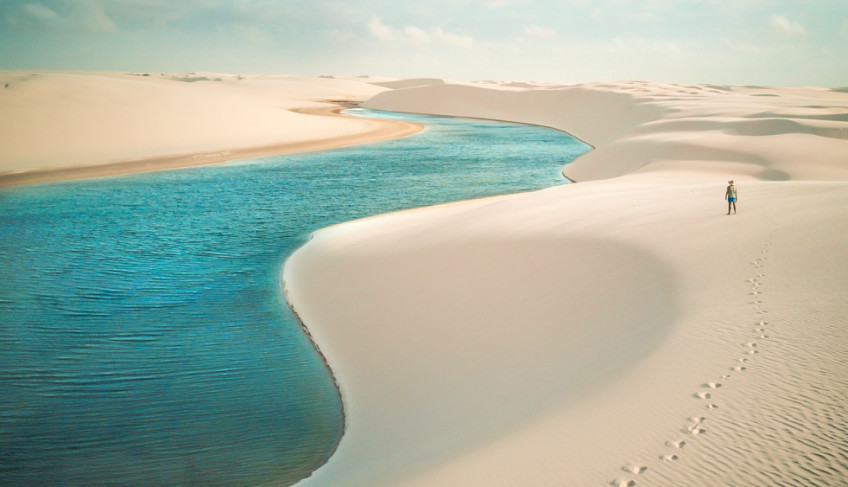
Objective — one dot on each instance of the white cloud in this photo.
(380, 30)
(39, 12)
(538, 32)
(90, 16)
(786, 27)
(416, 35)
(460, 40)
(160, 13)
(85, 15)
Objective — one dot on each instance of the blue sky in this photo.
(770, 42)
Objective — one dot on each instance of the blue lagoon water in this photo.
(144, 339)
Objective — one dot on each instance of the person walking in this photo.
(730, 196)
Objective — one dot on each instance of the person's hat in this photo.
(731, 181)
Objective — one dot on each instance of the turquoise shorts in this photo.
(732, 199)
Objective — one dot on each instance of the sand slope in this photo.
(57, 125)
(616, 331)
(639, 126)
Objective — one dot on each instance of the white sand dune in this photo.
(636, 126)
(619, 331)
(410, 83)
(615, 331)
(59, 125)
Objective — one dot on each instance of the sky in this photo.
(741, 42)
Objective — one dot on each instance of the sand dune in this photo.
(635, 125)
(619, 331)
(58, 125)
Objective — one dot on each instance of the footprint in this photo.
(695, 427)
(712, 385)
(753, 352)
(675, 444)
(725, 376)
(671, 457)
(762, 323)
(711, 406)
(742, 360)
(694, 424)
(751, 344)
(763, 336)
(634, 468)
(702, 395)
(623, 483)
(739, 368)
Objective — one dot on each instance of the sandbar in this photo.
(70, 125)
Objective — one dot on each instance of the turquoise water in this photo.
(144, 339)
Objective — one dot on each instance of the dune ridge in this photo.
(499, 341)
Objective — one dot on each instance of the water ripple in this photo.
(144, 337)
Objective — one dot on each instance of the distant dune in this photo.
(56, 125)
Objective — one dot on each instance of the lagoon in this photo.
(144, 339)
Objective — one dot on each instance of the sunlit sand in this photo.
(623, 330)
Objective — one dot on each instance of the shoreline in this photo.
(381, 130)
(505, 120)
(325, 361)
(580, 334)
